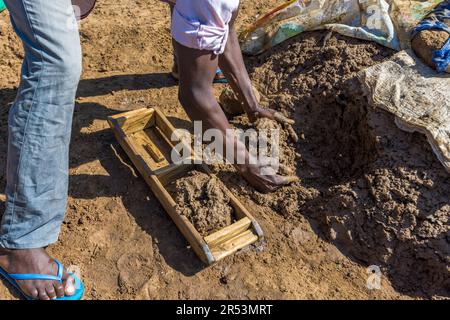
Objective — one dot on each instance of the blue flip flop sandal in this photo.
(176, 76)
(220, 80)
(12, 278)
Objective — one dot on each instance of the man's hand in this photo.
(260, 112)
(264, 178)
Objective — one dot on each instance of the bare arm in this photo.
(232, 64)
(197, 70)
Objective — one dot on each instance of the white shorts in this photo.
(203, 24)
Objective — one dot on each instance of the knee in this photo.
(193, 94)
(64, 65)
(186, 95)
(69, 67)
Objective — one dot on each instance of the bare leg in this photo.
(175, 73)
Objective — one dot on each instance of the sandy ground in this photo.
(126, 246)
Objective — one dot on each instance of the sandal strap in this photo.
(33, 276)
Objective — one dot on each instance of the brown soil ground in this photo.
(201, 199)
(370, 194)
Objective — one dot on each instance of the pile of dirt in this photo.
(375, 191)
(202, 199)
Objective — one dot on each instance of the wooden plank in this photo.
(161, 171)
(135, 120)
(130, 113)
(154, 151)
(239, 209)
(165, 126)
(233, 245)
(228, 232)
(141, 139)
(173, 172)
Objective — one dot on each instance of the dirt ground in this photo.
(370, 194)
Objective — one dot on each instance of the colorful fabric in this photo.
(387, 22)
(438, 19)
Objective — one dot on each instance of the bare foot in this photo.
(36, 261)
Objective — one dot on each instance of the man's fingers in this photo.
(272, 114)
(284, 169)
(292, 133)
(281, 118)
(290, 179)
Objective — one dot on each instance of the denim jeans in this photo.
(39, 123)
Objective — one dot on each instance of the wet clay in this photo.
(201, 198)
(376, 192)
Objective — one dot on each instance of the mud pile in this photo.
(202, 200)
(375, 191)
(428, 41)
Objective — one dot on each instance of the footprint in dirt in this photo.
(135, 270)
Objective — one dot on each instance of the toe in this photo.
(42, 294)
(59, 288)
(51, 292)
(69, 286)
(32, 293)
(29, 288)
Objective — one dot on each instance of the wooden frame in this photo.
(145, 135)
